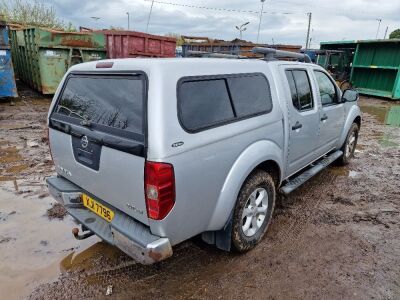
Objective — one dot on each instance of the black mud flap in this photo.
(222, 239)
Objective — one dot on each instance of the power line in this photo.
(222, 9)
(148, 19)
(331, 9)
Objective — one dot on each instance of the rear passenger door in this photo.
(332, 112)
(303, 120)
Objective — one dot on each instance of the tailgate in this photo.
(97, 138)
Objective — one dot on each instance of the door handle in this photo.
(297, 126)
(324, 118)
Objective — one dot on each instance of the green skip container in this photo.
(42, 56)
(376, 68)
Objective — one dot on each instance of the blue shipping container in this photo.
(8, 87)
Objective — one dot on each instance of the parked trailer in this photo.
(43, 56)
(124, 44)
(235, 47)
(8, 87)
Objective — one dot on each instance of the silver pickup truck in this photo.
(151, 152)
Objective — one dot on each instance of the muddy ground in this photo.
(337, 237)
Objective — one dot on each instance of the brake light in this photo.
(104, 65)
(159, 189)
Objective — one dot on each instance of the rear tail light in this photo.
(159, 189)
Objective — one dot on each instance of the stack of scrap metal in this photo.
(234, 47)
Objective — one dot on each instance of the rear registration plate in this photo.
(99, 209)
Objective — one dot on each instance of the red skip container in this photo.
(124, 44)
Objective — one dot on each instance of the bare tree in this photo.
(30, 12)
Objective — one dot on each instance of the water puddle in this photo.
(360, 147)
(13, 166)
(17, 168)
(7, 178)
(340, 171)
(353, 174)
(9, 155)
(33, 249)
(388, 114)
(379, 112)
(85, 259)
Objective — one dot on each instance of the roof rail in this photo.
(214, 54)
(272, 54)
(269, 54)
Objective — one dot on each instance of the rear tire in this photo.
(349, 145)
(253, 211)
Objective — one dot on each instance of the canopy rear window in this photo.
(110, 103)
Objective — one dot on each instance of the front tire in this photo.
(253, 211)
(349, 145)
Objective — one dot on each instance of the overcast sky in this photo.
(284, 21)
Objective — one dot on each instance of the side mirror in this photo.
(350, 95)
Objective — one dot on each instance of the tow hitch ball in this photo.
(84, 235)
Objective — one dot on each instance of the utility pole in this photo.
(259, 24)
(148, 19)
(308, 29)
(386, 31)
(128, 19)
(379, 26)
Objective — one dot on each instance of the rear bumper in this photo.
(129, 235)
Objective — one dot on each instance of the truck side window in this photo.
(205, 103)
(327, 89)
(300, 89)
(210, 101)
(250, 94)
